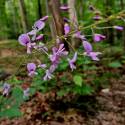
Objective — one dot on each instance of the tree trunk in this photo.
(72, 13)
(58, 20)
(51, 23)
(54, 6)
(74, 21)
(23, 15)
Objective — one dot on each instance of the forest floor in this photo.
(107, 107)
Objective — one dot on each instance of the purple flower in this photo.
(64, 7)
(6, 89)
(44, 18)
(31, 67)
(79, 36)
(43, 66)
(53, 67)
(32, 32)
(87, 46)
(89, 52)
(26, 92)
(38, 25)
(66, 28)
(47, 76)
(54, 57)
(97, 17)
(72, 61)
(94, 55)
(120, 28)
(98, 37)
(39, 37)
(57, 53)
(41, 47)
(61, 51)
(24, 40)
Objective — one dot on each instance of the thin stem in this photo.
(103, 27)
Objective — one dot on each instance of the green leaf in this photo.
(61, 93)
(84, 90)
(87, 89)
(78, 80)
(14, 80)
(17, 95)
(63, 66)
(10, 113)
(115, 64)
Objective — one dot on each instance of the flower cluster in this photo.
(31, 41)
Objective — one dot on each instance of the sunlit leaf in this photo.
(11, 112)
(77, 80)
(115, 64)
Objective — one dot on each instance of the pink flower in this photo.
(94, 55)
(66, 28)
(87, 46)
(38, 25)
(79, 36)
(47, 76)
(57, 53)
(120, 28)
(43, 66)
(24, 40)
(97, 17)
(39, 37)
(31, 67)
(72, 61)
(98, 37)
(89, 51)
(64, 7)
(44, 18)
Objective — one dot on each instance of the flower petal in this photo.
(98, 37)
(87, 46)
(40, 37)
(31, 67)
(66, 28)
(24, 39)
(64, 7)
(42, 66)
(74, 57)
(118, 28)
(32, 32)
(94, 55)
(39, 25)
(44, 18)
